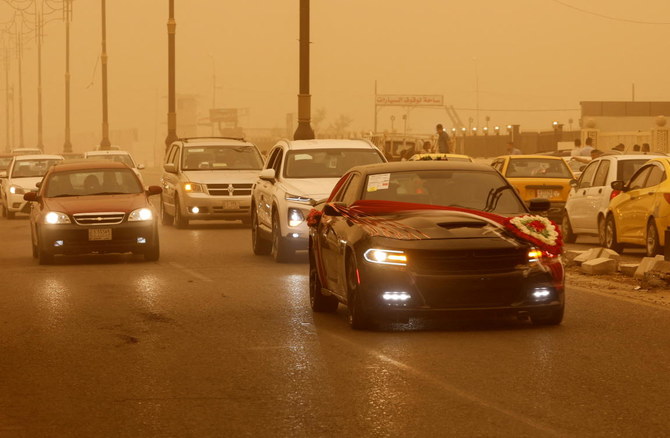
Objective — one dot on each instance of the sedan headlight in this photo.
(190, 187)
(295, 217)
(16, 190)
(298, 198)
(56, 217)
(386, 257)
(141, 214)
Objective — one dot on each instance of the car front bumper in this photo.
(16, 204)
(213, 208)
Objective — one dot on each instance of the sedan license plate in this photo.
(545, 194)
(100, 234)
(231, 205)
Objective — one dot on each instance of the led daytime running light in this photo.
(386, 257)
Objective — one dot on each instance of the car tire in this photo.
(166, 219)
(317, 300)
(358, 316)
(652, 244)
(281, 252)
(153, 253)
(259, 245)
(601, 232)
(566, 228)
(611, 241)
(553, 317)
(179, 220)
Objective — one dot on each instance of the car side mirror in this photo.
(537, 205)
(170, 168)
(267, 175)
(154, 190)
(38, 184)
(573, 182)
(618, 185)
(30, 196)
(140, 166)
(330, 209)
(314, 203)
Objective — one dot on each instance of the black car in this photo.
(400, 240)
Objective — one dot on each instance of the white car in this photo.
(118, 156)
(586, 206)
(295, 176)
(27, 151)
(22, 176)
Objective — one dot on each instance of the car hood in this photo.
(315, 188)
(26, 183)
(97, 204)
(222, 176)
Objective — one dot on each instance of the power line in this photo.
(609, 17)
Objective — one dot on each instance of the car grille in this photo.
(472, 261)
(106, 218)
(229, 189)
(501, 290)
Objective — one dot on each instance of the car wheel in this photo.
(317, 300)
(601, 232)
(153, 253)
(44, 257)
(610, 236)
(166, 219)
(359, 318)
(652, 242)
(280, 249)
(553, 317)
(568, 235)
(179, 220)
(259, 245)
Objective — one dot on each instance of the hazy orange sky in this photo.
(526, 54)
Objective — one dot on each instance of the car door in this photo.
(169, 180)
(264, 189)
(631, 223)
(647, 203)
(577, 204)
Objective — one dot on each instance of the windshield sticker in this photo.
(378, 182)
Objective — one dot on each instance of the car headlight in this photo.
(297, 198)
(295, 217)
(16, 190)
(534, 254)
(385, 257)
(56, 217)
(193, 187)
(141, 214)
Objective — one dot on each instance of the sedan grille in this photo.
(468, 261)
(106, 218)
(229, 189)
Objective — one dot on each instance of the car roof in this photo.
(69, 165)
(620, 157)
(545, 157)
(402, 166)
(109, 152)
(38, 157)
(330, 143)
(214, 141)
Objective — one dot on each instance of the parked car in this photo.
(586, 207)
(439, 157)
(22, 176)
(116, 155)
(400, 240)
(92, 207)
(538, 176)
(295, 176)
(209, 178)
(640, 214)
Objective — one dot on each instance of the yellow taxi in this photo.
(438, 157)
(640, 213)
(538, 176)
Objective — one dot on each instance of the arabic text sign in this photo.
(409, 100)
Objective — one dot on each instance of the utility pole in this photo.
(67, 11)
(39, 22)
(7, 97)
(172, 111)
(104, 143)
(304, 130)
(19, 49)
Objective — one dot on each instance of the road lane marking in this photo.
(191, 272)
(546, 429)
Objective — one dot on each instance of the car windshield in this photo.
(327, 163)
(119, 158)
(87, 182)
(32, 168)
(537, 168)
(221, 158)
(472, 189)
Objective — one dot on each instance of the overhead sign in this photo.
(225, 115)
(409, 100)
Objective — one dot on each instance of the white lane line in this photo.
(191, 272)
(620, 297)
(547, 430)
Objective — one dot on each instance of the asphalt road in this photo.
(214, 341)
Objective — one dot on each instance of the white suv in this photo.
(296, 175)
(22, 176)
(208, 178)
(587, 202)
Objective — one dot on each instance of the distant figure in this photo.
(586, 150)
(595, 153)
(577, 150)
(442, 139)
(427, 147)
(511, 150)
(636, 148)
(646, 148)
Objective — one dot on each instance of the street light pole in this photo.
(172, 112)
(19, 47)
(104, 143)
(39, 22)
(67, 146)
(304, 130)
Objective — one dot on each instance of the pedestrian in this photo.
(645, 148)
(442, 139)
(511, 150)
(586, 150)
(577, 150)
(636, 148)
(427, 147)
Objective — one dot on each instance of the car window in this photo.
(170, 156)
(537, 168)
(31, 168)
(586, 178)
(278, 162)
(626, 168)
(353, 189)
(637, 182)
(92, 182)
(175, 157)
(269, 164)
(221, 157)
(600, 179)
(326, 163)
(4, 162)
(339, 196)
(656, 176)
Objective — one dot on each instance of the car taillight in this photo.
(614, 194)
(666, 196)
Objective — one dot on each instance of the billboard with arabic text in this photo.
(408, 100)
